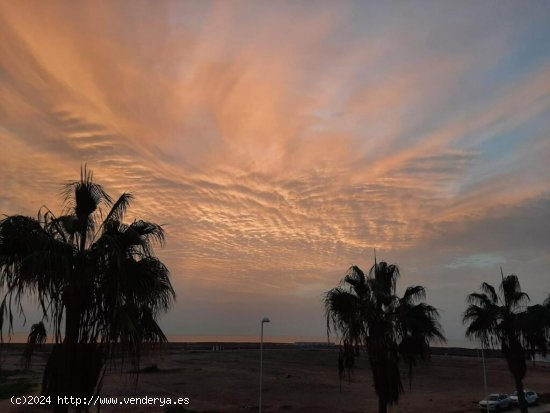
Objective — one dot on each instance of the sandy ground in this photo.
(297, 380)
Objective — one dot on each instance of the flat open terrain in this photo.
(295, 380)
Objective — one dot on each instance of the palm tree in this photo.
(366, 311)
(37, 337)
(93, 275)
(503, 319)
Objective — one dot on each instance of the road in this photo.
(541, 408)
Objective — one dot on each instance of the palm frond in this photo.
(37, 338)
(481, 299)
(151, 233)
(32, 262)
(355, 278)
(490, 292)
(84, 196)
(119, 208)
(84, 199)
(341, 310)
(534, 324)
(511, 292)
(414, 294)
(384, 278)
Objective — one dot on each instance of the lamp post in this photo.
(484, 377)
(264, 320)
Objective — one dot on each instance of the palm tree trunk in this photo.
(521, 395)
(382, 406)
(60, 408)
(65, 375)
(516, 359)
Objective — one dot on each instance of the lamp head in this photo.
(266, 320)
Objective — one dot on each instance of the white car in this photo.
(496, 402)
(531, 397)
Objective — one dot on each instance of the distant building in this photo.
(313, 344)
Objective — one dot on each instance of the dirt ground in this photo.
(295, 380)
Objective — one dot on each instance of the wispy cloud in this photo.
(478, 260)
(282, 142)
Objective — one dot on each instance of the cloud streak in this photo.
(281, 143)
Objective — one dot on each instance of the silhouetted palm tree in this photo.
(91, 272)
(37, 337)
(503, 319)
(366, 311)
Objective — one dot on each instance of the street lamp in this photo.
(484, 377)
(264, 320)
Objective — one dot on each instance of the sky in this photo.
(282, 142)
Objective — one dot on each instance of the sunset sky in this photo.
(281, 142)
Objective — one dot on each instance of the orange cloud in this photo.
(279, 143)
